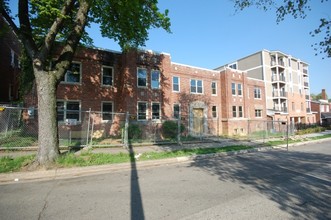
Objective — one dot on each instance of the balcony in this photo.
(306, 84)
(282, 109)
(281, 94)
(280, 78)
(279, 63)
(305, 72)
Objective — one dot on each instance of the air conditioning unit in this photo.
(71, 121)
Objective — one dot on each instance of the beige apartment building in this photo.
(286, 80)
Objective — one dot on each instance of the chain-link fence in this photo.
(262, 130)
(15, 128)
(19, 128)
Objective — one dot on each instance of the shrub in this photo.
(169, 129)
(134, 132)
(310, 130)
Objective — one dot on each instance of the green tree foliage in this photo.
(297, 9)
(43, 23)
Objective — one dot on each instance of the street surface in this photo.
(264, 185)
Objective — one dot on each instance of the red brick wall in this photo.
(9, 74)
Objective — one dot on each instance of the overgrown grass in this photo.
(18, 141)
(10, 164)
(88, 158)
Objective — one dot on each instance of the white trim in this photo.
(112, 112)
(138, 110)
(155, 70)
(196, 85)
(159, 111)
(173, 84)
(112, 75)
(138, 77)
(80, 74)
(65, 102)
(199, 68)
(211, 85)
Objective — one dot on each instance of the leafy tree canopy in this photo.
(297, 9)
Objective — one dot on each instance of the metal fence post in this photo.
(126, 130)
(88, 127)
(179, 129)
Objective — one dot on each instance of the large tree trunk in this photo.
(48, 142)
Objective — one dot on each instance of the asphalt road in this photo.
(264, 185)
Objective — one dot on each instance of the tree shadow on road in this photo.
(137, 209)
(284, 177)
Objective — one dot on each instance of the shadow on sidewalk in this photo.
(137, 209)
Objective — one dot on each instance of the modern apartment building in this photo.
(286, 80)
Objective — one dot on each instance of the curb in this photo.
(65, 173)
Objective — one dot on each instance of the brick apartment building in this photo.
(9, 63)
(286, 81)
(151, 87)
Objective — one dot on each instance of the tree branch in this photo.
(7, 17)
(73, 39)
(55, 28)
(25, 33)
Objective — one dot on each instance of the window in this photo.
(257, 93)
(258, 113)
(156, 111)
(239, 89)
(176, 111)
(233, 66)
(107, 110)
(107, 76)
(234, 111)
(142, 77)
(73, 74)
(175, 84)
(142, 110)
(68, 110)
(196, 86)
(293, 106)
(240, 111)
(155, 79)
(233, 87)
(213, 88)
(214, 111)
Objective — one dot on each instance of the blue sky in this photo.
(210, 33)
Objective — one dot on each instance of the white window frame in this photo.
(234, 111)
(156, 103)
(173, 83)
(173, 110)
(239, 91)
(159, 79)
(65, 110)
(240, 113)
(212, 111)
(258, 113)
(65, 77)
(146, 113)
(212, 89)
(233, 88)
(257, 93)
(196, 86)
(112, 110)
(140, 68)
(112, 76)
